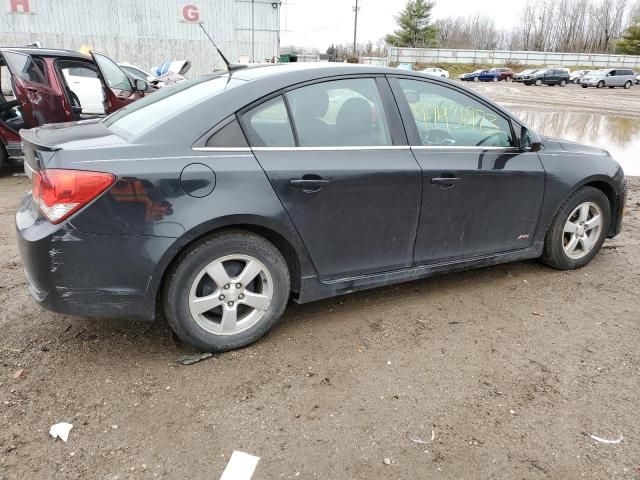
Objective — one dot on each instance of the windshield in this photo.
(145, 114)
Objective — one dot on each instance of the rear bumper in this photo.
(77, 273)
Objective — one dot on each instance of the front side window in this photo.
(447, 117)
(113, 75)
(267, 125)
(339, 113)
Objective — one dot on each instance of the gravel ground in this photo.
(502, 372)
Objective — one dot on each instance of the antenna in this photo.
(230, 66)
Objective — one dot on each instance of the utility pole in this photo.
(355, 31)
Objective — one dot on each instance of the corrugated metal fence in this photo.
(501, 57)
(148, 32)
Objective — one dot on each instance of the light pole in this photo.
(355, 30)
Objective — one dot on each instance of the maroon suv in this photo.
(38, 82)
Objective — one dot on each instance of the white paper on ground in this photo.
(240, 467)
(60, 430)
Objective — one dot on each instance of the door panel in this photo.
(352, 189)
(493, 208)
(480, 194)
(364, 219)
(39, 103)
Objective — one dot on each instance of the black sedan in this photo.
(217, 200)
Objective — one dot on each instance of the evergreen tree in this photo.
(629, 44)
(415, 25)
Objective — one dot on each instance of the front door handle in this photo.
(309, 185)
(446, 180)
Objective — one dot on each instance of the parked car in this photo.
(575, 76)
(438, 72)
(505, 74)
(52, 86)
(518, 77)
(201, 202)
(473, 76)
(637, 79)
(547, 76)
(609, 77)
(166, 74)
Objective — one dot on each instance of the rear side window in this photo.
(267, 125)
(26, 67)
(339, 113)
(229, 136)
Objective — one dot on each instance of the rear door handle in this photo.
(445, 180)
(309, 185)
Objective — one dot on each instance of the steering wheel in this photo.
(436, 137)
(489, 137)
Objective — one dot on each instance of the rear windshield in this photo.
(144, 115)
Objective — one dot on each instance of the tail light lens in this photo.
(61, 193)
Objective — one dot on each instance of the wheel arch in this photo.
(287, 243)
(606, 186)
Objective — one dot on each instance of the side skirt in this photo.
(312, 288)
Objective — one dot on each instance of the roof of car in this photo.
(46, 52)
(319, 69)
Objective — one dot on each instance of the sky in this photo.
(318, 23)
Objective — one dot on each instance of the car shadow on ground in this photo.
(122, 339)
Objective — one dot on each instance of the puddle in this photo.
(619, 135)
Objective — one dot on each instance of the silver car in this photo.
(610, 77)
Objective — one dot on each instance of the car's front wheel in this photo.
(226, 291)
(578, 230)
(600, 84)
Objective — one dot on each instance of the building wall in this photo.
(148, 32)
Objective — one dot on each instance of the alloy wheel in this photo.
(582, 230)
(231, 294)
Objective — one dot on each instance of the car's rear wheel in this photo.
(495, 79)
(227, 291)
(476, 79)
(563, 82)
(578, 230)
(627, 85)
(600, 84)
(538, 82)
(508, 79)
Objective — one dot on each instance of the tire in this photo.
(600, 84)
(4, 157)
(627, 85)
(495, 79)
(476, 79)
(557, 240)
(187, 282)
(509, 79)
(538, 82)
(563, 82)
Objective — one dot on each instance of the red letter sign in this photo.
(20, 6)
(190, 14)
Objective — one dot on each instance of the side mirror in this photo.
(140, 85)
(530, 141)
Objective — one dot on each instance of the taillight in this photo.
(61, 193)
